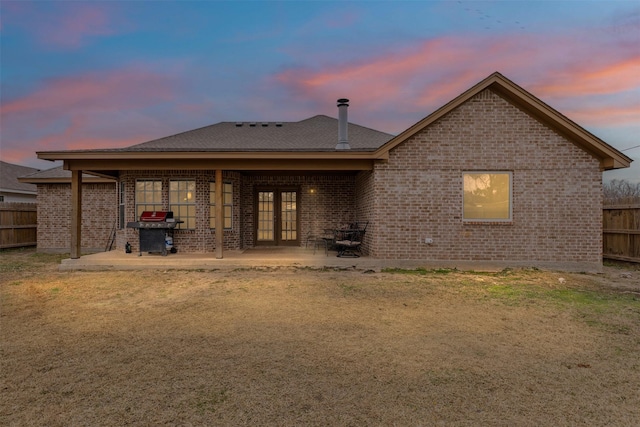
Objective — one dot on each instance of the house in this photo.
(11, 190)
(99, 210)
(494, 175)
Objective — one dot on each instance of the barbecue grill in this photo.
(154, 227)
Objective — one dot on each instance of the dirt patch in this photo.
(299, 347)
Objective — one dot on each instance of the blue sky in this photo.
(103, 74)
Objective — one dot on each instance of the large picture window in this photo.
(182, 201)
(227, 208)
(487, 196)
(148, 196)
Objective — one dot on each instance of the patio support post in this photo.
(76, 213)
(219, 215)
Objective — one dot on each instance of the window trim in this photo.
(489, 220)
(230, 205)
(136, 202)
(184, 225)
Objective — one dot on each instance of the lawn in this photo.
(289, 347)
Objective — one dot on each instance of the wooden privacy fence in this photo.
(621, 232)
(18, 224)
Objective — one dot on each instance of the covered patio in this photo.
(233, 186)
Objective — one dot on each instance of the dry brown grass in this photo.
(297, 347)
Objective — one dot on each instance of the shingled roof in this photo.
(318, 133)
(9, 174)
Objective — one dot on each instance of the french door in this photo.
(277, 217)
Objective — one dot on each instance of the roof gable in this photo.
(609, 157)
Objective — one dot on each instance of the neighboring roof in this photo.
(58, 175)
(318, 133)
(9, 174)
(610, 158)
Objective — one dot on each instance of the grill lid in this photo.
(155, 216)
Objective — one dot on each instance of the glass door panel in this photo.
(266, 217)
(288, 216)
(277, 217)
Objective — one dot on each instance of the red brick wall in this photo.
(557, 196)
(99, 212)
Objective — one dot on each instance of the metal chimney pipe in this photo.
(343, 140)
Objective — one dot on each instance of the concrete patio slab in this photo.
(282, 257)
(268, 257)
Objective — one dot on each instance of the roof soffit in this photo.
(60, 175)
(112, 167)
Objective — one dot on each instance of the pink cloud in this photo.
(132, 87)
(17, 156)
(67, 25)
(98, 91)
(83, 22)
(430, 74)
(372, 81)
(598, 79)
(77, 23)
(108, 108)
(607, 115)
(422, 77)
(80, 135)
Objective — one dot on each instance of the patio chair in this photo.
(317, 240)
(360, 226)
(349, 240)
(329, 239)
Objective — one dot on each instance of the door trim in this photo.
(277, 192)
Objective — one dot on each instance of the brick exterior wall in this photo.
(99, 213)
(557, 191)
(325, 201)
(417, 193)
(202, 238)
(365, 207)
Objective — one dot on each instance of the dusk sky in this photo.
(106, 74)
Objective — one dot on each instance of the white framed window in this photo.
(148, 196)
(182, 202)
(227, 207)
(487, 196)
